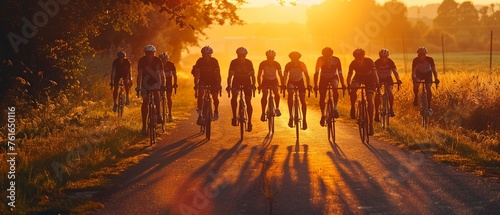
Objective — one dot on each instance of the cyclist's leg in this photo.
(128, 84)
(428, 78)
(215, 99)
(276, 92)
(323, 84)
(115, 90)
(370, 91)
(200, 100)
(335, 83)
(415, 90)
(353, 95)
(248, 102)
(391, 97)
(263, 103)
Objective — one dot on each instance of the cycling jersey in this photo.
(169, 69)
(384, 69)
(330, 66)
(151, 72)
(296, 70)
(423, 66)
(241, 69)
(209, 71)
(121, 68)
(363, 74)
(270, 68)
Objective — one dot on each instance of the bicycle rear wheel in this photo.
(152, 123)
(164, 112)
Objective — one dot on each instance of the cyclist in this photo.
(365, 73)
(120, 70)
(150, 76)
(268, 71)
(423, 68)
(242, 70)
(331, 73)
(170, 73)
(385, 68)
(206, 71)
(295, 70)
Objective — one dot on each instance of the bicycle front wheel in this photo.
(296, 118)
(330, 120)
(208, 119)
(241, 119)
(121, 104)
(385, 111)
(424, 110)
(362, 121)
(270, 115)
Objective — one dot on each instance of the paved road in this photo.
(263, 174)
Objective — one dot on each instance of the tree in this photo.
(46, 42)
(447, 16)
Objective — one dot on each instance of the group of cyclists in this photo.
(158, 74)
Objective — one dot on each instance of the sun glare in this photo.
(259, 3)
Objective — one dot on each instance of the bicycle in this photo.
(270, 114)
(207, 112)
(164, 107)
(151, 120)
(362, 115)
(297, 113)
(384, 105)
(330, 116)
(242, 111)
(424, 106)
(121, 98)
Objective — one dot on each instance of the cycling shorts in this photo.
(424, 76)
(245, 82)
(269, 83)
(367, 81)
(323, 83)
(300, 84)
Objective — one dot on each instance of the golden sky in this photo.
(256, 3)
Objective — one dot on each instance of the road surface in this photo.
(276, 174)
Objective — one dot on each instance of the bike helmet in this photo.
(327, 51)
(164, 56)
(149, 48)
(241, 50)
(121, 54)
(294, 55)
(422, 50)
(207, 50)
(384, 53)
(271, 53)
(358, 53)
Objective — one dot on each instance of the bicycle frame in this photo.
(207, 112)
(242, 113)
(152, 117)
(330, 118)
(270, 114)
(362, 116)
(424, 106)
